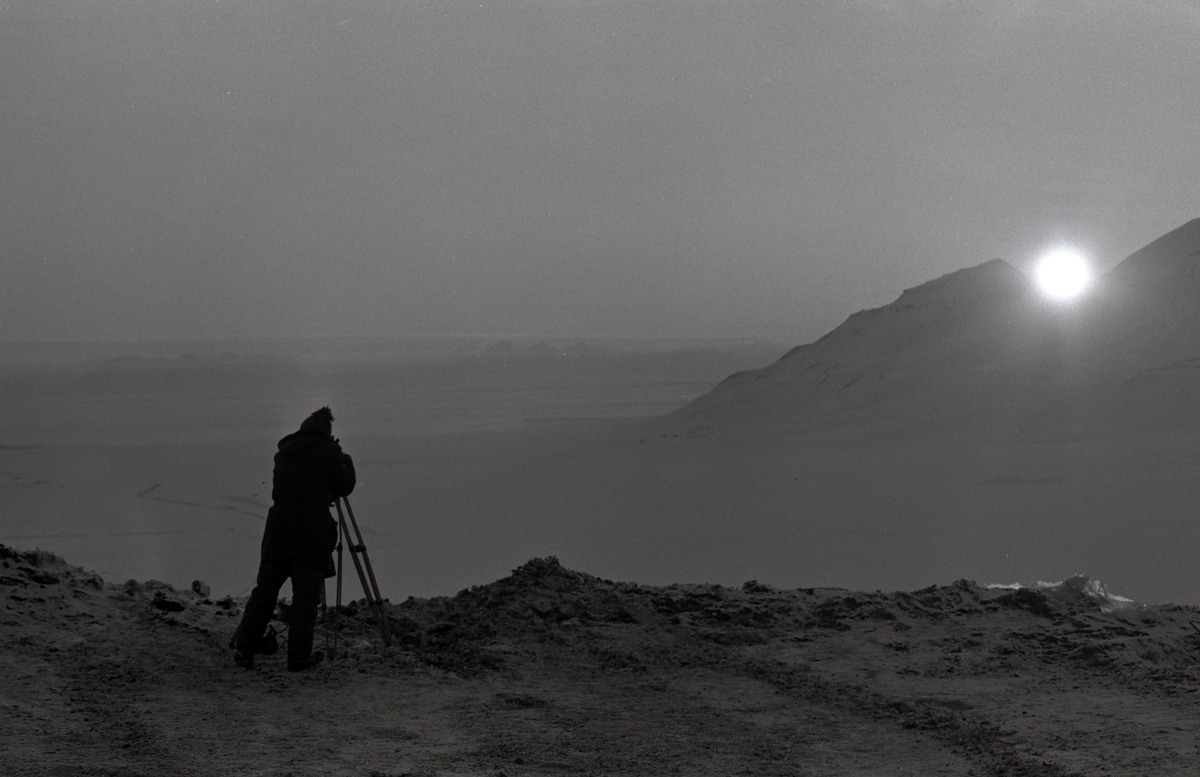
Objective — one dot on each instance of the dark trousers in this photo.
(308, 583)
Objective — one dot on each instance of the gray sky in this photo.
(210, 168)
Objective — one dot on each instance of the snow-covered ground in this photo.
(548, 671)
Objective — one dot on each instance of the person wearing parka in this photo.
(311, 470)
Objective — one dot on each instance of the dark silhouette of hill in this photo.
(1145, 316)
(980, 348)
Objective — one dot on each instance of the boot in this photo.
(299, 665)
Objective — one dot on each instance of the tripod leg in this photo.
(383, 625)
(338, 602)
(355, 549)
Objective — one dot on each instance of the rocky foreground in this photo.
(551, 671)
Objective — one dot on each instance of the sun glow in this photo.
(1063, 274)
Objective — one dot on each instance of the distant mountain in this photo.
(982, 348)
(1147, 309)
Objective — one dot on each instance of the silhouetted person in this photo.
(310, 472)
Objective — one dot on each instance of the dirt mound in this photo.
(477, 628)
(551, 670)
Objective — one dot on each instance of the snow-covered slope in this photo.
(980, 348)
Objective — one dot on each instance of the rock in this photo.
(40, 576)
(201, 588)
(92, 581)
(166, 602)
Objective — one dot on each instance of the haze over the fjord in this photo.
(255, 167)
(969, 429)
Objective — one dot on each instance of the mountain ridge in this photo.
(981, 344)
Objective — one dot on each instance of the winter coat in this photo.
(310, 472)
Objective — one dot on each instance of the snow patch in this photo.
(1074, 588)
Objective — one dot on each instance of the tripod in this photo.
(367, 578)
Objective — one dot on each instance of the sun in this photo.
(1063, 274)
